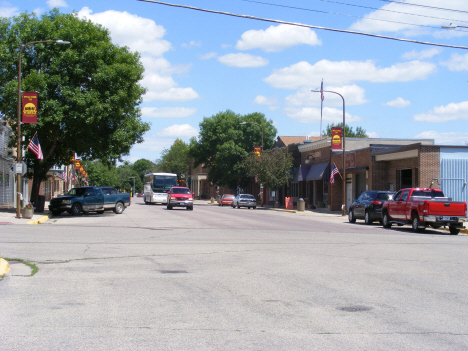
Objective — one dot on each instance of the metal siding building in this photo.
(454, 172)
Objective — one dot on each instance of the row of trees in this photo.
(89, 97)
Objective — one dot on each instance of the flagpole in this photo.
(321, 108)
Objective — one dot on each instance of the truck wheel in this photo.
(454, 231)
(169, 207)
(56, 213)
(119, 208)
(351, 218)
(76, 210)
(367, 219)
(386, 220)
(100, 212)
(416, 223)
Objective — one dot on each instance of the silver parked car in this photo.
(244, 200)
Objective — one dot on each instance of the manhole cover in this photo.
(172, 272)
(356, 308)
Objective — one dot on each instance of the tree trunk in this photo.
(39, 175)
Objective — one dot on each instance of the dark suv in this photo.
(369, 206)
(179, 197)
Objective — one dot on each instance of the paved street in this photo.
(218, 278)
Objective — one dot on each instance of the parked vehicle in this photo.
(422, 207)
(226, 199)
(90, 199)
(179, 197)
(368, 206)
(244, 200)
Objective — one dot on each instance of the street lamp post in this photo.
(18, 127)
(133, 193)
(261, 190)
(343, 206)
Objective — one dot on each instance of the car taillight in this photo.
(426, 207)
(465, 209)
(375, 202)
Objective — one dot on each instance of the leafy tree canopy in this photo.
(349, 132)
(88, 91)
(273, 168)
(223, 144)
(144, 166)
(175, 159)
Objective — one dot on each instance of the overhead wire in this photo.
(355, 16)
(425, 6)
(304, 25)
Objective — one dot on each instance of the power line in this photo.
(425, 6)
(386, 10)
(305, 25)
(367, 18)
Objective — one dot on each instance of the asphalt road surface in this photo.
(218, 278)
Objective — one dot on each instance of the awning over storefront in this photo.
(318, 171)
(300, 173)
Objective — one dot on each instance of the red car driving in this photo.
(179, 197)
(226, 199)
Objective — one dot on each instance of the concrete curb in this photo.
(39, 221)
(4, 267)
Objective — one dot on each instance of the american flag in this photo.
(35, 147)
(333, 172)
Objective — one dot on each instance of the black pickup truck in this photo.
(87, 199)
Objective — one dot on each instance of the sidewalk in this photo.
(8, 216)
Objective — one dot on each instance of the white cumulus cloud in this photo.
(457, 63)
(398, 102)
(6, 10)
(312, 115)
(277, 38)
(138, 33)
(56, 3)
(178, 131)
(353, 95)
(451, 138)
(421, 55)
(450, 112)
(345, 72)
(167, 112)
(242, 60)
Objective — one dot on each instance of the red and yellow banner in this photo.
(336, 138)
(29, 107)
(77, 164)
(258, 151)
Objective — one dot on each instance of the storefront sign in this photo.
(336, 138)
(29, 107)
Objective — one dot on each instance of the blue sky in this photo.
(198, 64)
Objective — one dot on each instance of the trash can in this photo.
(39, 207)
(301, 204)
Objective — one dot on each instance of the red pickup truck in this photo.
(422, 207)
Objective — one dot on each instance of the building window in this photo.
(294, 189)
(406, 178)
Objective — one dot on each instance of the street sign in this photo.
(21, 168)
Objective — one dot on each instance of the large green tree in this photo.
(273, 168)
(144, 166)
(224, 143)
(175, 159)
(88, 91)
(349, 132)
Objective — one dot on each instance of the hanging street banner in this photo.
(336, 138)
(29, 107)
(77, 164)
(258, 151)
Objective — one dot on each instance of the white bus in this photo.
(157, 185)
